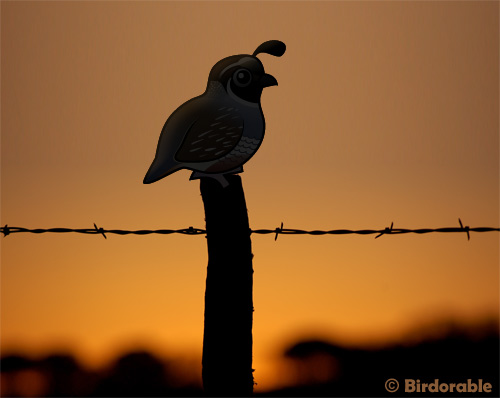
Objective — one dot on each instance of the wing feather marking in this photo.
(202, 143)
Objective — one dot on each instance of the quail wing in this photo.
(211, 137)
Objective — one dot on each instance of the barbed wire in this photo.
(6, 230)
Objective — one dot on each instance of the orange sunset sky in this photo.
(385, 112)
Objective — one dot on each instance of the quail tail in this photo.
(158, 171)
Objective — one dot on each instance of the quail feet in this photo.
(218, 177)
(196, 175)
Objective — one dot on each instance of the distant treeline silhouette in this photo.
(6, 230)
(134, 374)
(453, 354)
(314, 368)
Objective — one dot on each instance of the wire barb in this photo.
(5, 230)
(278, 231)
(466, 229)
(100, 230)
(385, 231)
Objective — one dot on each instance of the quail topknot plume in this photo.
(219, 131)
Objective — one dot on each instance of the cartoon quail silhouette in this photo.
(219, 131)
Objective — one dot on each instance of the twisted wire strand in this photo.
(6, 230)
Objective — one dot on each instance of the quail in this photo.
(219, 131)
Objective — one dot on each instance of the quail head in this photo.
(219, 131)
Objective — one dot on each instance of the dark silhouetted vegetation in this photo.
(450, 353)
(315, 367)
(134, 374)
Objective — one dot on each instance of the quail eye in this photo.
(242, 78)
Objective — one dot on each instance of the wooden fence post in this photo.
(227, 340)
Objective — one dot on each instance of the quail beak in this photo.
(268, 80)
